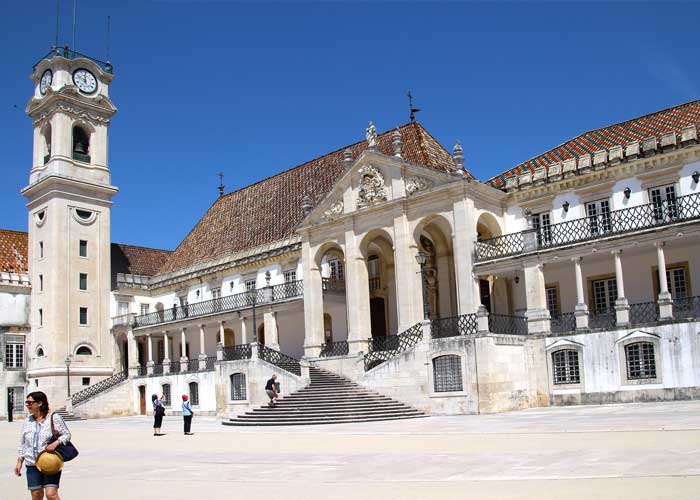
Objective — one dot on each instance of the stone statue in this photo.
(431, 278)
(371, 136)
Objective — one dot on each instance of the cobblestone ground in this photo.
(640, 451)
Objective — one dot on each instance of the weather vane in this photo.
(221, 184)
(410, 106)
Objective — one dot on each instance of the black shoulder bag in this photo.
(67, 451)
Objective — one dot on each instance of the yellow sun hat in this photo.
(49, 462)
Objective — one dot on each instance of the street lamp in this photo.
(420, 258)
(68, 373)
(253, 293)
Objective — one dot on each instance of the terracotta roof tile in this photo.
(130, 259)
(270, 210)
(13, 251)
(637, 129)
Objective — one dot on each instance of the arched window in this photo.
(194, 393)
(81, 144)
(83, 350)
(447, 373)
(641, 360)
(565, 367)
(238, 387)
(40, 352)
(166, 394)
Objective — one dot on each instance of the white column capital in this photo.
(616, 252)
(577, 260)
(659, 244)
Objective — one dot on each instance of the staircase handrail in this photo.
(392, 346)
(279, 359)
(98, 388)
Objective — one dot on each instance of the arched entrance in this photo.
(378, 252)
(487, 227)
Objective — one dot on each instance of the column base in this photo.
(482, 321)
(184, 364)
(166, 366)
(581, 315)
(538, 321)
(150, 367)
(622, 312)
(665, 306)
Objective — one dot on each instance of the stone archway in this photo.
(432, 236)
(377, 249)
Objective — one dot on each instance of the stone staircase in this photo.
(69, 417)
(329, 399)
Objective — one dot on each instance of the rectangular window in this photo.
(14, 354)
(543, 225)
(122, 308)
(143, 309)
(604, 294)
(249, 285)
(83, 281)
(290, 275)
(41, 317)
(337, 270)
(41, 282)
(447, 373)
(565, 367)
(641, 362)
(598, 213)
(17, 395)
(552, 293)
(665, 205)
(677, 282)
(83, 315)
(216, 293)
(82, 248)
(86, 380)
(166, 395)
(41, 249)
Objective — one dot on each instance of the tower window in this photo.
(83, 281)
(83, 214)
(41, 317)
(41, 282)
(83, 350)
(83, 315)
(81, 145)
(41, 249)
(82, 248)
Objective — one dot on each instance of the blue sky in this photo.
(254, 88)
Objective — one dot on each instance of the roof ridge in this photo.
(14, 231)
(141, 246)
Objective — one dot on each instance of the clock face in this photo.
(46, 79)
(85, 81)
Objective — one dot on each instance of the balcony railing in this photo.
(235, 352)
(123, 320)
(565, 322)
(681, 209)
(685, 308)
(279, 359)
(374, 283)
(267, 295)
(602, 318)
(511, 325)
(331, 349)
(332, 285)
(192, 367)
(72, 54)
(643, 312)
(454, 326)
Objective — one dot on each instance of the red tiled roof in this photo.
(130, 259)
(654, 124)
(270, 210)
(13, 251)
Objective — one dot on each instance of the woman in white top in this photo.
(37, 435)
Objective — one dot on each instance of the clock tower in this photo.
(69, 198)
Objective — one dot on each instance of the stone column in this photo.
(133, 361)
(581, 309)
(166, 355)
(356, 293)
(150, 363)
(313, 301)
(202, 349)
(183, 351)
(537, 314)
(468, 299)
(404, 274)
(271, 333)
(622, 308)
(665, 300)
(244, 331)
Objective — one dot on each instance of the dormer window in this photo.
(81, 144)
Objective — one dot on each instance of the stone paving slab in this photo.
(618, 451)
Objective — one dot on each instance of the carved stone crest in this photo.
(372, 188)
(414, 184)
(334, 210)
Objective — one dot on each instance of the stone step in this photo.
(261, 414)
(244, 423)
(334, 406)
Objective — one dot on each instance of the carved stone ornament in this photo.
(67, 108)
(414, 184)
(372, 188)
(334, 210)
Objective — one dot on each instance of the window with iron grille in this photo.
(598, 213)
(604, 294)
(542, 223)
(552, 293)
(238, 387)
(641, 362)
(565, 367)
(447, 373)
(194, 393)
(166, 395)
(290, 275)
(14, 354)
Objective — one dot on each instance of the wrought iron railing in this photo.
(564, 322)
(279, 359)
(72, 54)
(157, 370)
(98, 388)
(643, 312)
(192, 365)
(602, 318)
(687, 307)
(123, 320)
(330, 349)
(511, 325)
(173, 366)
(375, 283)
(683, 208)
(333, 285)
(234, 352)
(454, 326)
(210, 363)
(228, 303)
(142, 371)
(382, 349)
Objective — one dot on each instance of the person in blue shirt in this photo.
(187, 414)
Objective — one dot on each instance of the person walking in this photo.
(37, 437)
(158, 413)
(271, 390)
(187, 414)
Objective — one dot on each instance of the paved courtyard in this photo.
(639, 451)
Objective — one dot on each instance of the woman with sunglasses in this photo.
(36, 437)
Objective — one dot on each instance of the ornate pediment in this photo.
(415, 184)
(372, 187)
